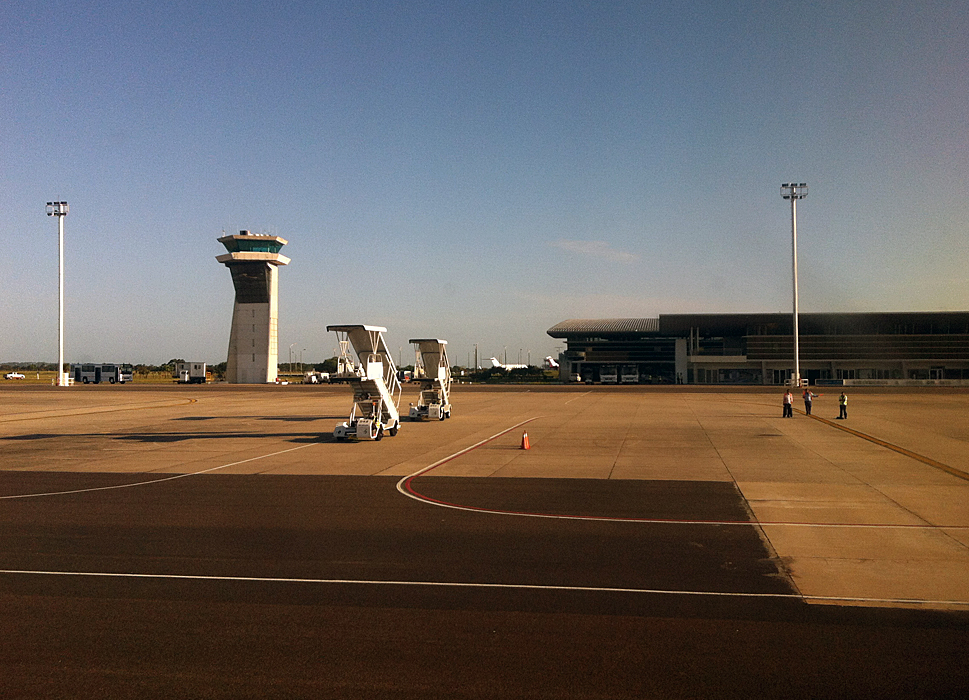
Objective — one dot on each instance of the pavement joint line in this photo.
(485, 585)
(958, 473)
(69, 414)
(156, 481)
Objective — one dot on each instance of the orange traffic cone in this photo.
(525, 445)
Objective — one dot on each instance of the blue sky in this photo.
(477, 171)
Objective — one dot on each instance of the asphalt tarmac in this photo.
(205, 544)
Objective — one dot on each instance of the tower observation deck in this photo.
(253, 345)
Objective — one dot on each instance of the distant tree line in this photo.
(491, 375)
(29, 366)
(327, 366)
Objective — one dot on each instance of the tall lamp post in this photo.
(59, 209)
(794, 191)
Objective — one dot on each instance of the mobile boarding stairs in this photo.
(433, 372)
(369, 369)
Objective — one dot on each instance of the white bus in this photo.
(608, 374)
(89, 373)
(629, 374)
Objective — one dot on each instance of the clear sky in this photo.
(475, 171)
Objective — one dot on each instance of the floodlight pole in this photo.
(60, 209)
(794, 191)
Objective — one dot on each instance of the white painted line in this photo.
(586, 393)
(498, 586)
(417, 497)
(156, 481)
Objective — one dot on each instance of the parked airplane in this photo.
(550, 363)
(496, 364)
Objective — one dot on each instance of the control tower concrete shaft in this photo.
(253, 346)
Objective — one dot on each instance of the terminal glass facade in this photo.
(860, 348)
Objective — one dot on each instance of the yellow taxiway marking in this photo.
(958, 473)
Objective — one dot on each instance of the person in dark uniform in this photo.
(808, 396)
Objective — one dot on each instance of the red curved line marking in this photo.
(567, 516)
(407, 485)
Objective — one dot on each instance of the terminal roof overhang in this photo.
(741, 324)
(605, 327)
(833, 323)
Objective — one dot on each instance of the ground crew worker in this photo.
(807, 401)
(788, 404)
(843, 406)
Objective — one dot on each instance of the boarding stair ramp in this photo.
(366, 364)
(433, 373)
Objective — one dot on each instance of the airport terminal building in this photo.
(834, 348)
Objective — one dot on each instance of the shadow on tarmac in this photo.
(161, 438)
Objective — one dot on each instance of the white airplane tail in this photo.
(498, 365)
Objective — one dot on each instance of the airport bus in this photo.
(629, 374)
(88, 373)
(608, 374)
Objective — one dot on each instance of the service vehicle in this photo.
(314, 377)
(629, 374)
(608, 375)
(370, 371)
(190, 372)
(14, 375)
(432, 372)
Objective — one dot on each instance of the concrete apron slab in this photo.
(857, 522)
(802, 475)
(848, 516)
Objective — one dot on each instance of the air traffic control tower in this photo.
(253, 344)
